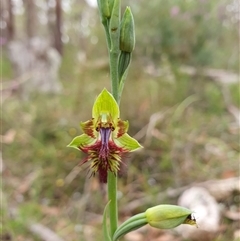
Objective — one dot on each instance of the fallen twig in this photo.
(44, 233)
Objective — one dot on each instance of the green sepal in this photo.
(129, 225)
(127, 142)
(82, 140)
(105, 104)
(105, 224)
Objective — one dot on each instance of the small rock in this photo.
(205, 210)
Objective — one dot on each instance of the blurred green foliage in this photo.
(193, 33)
(194, 137)
(5, 66)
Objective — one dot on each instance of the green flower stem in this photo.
(113, 207)
(114, 74)
(112, 179)
(112, 31)
(105, 24)
(129, 225)
(105, 227)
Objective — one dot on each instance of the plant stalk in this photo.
(112, 31)
(113, 207)
(112, 179)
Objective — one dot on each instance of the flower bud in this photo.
(110, 3)
(114, 26)
(127, 32)
(169, 216)
(103, 6)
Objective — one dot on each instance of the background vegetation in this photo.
(185, 117)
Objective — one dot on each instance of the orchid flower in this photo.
(104, 137)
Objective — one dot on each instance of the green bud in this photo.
(127, 32)
(104, 9)
(110, 2)
(169, 216)
(114, 29)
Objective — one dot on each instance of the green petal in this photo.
(121, 128)
(88, 128)
(127, 142)
(105, 104)
(81, 141)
